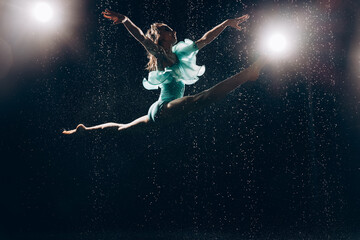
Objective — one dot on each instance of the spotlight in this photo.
(42, 12)
(277, 43)
(279, 38)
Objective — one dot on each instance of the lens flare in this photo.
(42, 12)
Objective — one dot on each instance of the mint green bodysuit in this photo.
(173, 79)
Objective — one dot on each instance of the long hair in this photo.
(153, 34)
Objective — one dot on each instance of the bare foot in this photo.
(80, 127)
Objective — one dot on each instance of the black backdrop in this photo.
(277, 158)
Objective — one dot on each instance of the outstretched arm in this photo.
(213, 33)
(134, 30)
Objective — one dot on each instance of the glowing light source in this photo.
(279, 38)
(277, 43)
(42, 12)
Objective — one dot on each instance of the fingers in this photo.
(107, 12)
(114, 16)
(240, 20)
(243, 18)
(111, 17)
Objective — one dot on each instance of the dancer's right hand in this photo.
(234, 23)
(114, 16)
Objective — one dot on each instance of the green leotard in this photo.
(173, 79)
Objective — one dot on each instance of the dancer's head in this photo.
(160, 34)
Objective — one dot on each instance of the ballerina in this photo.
(172, 65)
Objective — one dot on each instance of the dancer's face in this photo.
(167, 34)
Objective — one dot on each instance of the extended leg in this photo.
(184, 105)
(119, 126)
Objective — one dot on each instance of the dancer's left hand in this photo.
(114, 16)
(237, 21)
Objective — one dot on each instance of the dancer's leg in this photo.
(137, 122)
(119, 126)
(184, 105)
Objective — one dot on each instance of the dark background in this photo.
(277, 159)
